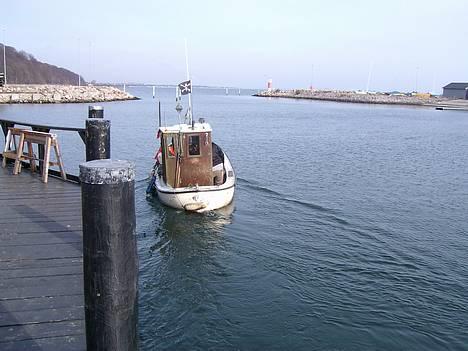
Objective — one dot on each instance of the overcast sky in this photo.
(332, 44)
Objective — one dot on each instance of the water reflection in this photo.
(178, 239)
(184, 257)
(185, 227)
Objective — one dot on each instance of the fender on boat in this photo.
(194, 206)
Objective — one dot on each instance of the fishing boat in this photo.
(191, 172)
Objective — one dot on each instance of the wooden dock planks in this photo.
(41, 268)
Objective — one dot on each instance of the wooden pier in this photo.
(64, 286)
(41, 265)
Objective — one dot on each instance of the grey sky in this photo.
(243, 43)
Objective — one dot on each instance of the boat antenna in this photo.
(190, 114)
(159, 112)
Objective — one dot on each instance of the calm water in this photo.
(349, 229)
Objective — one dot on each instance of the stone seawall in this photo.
(53, 94)
(356, 97)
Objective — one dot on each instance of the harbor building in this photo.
(456, 91)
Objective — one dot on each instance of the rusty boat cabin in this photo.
(189, 158)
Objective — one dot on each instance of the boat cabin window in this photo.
(194, 145)
(170, 142)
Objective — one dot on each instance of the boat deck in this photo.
(41, 279)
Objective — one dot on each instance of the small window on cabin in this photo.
(170, 146)
(194, 145)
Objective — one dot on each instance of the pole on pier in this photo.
(97, 137)
(110, 261)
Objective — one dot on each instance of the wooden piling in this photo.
(110, 259)
(97, 139)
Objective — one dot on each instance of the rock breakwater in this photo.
(50, 94)
(356, 97)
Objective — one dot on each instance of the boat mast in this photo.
(159, 113)
(178, 105)
(190, 115)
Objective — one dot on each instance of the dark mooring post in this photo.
(97, 139)
(110, 262)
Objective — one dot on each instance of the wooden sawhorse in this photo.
(11, 144)
(48, 140)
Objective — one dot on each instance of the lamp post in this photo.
(371, 66)
(79, 61)
(417, 78)
(312, 79)
(4, 58)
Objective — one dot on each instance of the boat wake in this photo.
(277, 195)
(327, 216)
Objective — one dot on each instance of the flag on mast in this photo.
(186, 87)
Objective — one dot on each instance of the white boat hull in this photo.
(198, 201)
(201, 198)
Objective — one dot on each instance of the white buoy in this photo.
(154, 91)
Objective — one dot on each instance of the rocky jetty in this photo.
(356, 97)
(53, 94)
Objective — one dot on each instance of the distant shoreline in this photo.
(367, 98)
(57, 94)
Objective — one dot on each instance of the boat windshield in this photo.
(194, 145)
